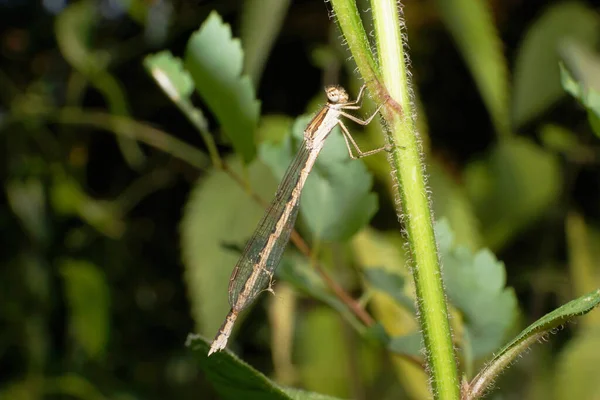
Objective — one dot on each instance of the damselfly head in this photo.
(336, 94)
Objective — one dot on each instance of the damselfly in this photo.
(254, 270)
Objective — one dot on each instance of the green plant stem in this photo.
(126, 127)
(409, 175)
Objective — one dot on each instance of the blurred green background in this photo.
(116, 246)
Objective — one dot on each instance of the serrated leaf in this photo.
(219, 213)
(537, 80)
(336, 201)
(472, 26)
(87, 296)
(512, 187)
(169, 72)
(527, 337)
(214, 59)
(234, 379)
(475, 283)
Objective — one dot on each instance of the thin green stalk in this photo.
(409, 176)
(131, 129)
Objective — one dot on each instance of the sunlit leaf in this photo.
(214, 59)
(472, 26)
(475, 283)
(537, 80)
(234, 379)
(169, 72)
(87, 296)
(337, 200)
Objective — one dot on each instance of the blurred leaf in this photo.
(537, 80)
(472, 26)
(260, 25)
(214, 59)
(274, 128)
(410, 345)
(234, 379)
(336, 201)
(450, 201)
(28, 201)
(218, 213)
(512, 187)
(322, 352)
(583, 267)
(558, 138)
(68, 198)
(576, 376)
(73, 32)
(532, 334)
(172, 77)
(390, 283)
(376, 250)
(87, 296)
(168, 71)
(72, 386)
(298, 272)
(581, 78)
(475, 283)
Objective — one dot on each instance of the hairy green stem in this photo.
(389, 83)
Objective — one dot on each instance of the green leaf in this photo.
(450, 200)
(532, 334)
(214, 59)
(319, 355)
(74, 30)
(581, 78)
(577, 368)
(537, 80)
(260, 24)
(68, 198)
(27, 199)
(409, 345)
(298, 272)
(475, 285)
(336, 201)
(512, 187)
(472, 26)
(169, 72)
(234, 379)
(87, 296)
(390, 283)
(218, 213)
